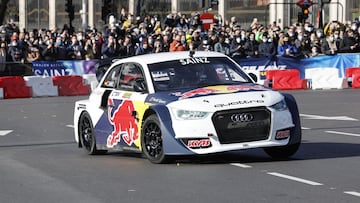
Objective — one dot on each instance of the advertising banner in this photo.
(340, 61)
(60, 68)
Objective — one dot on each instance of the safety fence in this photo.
(70, 78)
(321, 72)
(45, 86)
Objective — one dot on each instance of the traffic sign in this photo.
(207, 19)
(305, 3)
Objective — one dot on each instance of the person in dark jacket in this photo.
(266, 47)
(349, 44)
(110, 48)
(329, 47)
(251, 46)
(144, 48)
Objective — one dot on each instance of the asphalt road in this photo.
(39, 161)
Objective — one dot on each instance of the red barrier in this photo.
(14, 87)
(350, 71)
(71, 85)
(288, 80)
(356, 79)
(270, 74)
(269, 77)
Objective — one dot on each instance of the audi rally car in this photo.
(185, 103)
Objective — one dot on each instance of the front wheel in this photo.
(151, 140)
(87, 136)
(283, 152)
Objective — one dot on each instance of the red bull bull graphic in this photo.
(219, 90)
(124, 122)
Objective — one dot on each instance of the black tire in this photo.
(282, 152)
(87, 136)
(151, 140)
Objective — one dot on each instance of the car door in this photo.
(125, 107)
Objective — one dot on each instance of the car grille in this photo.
(242, 125)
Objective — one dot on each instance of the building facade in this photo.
(37, 14)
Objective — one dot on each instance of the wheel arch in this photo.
(296, 133)
(171, 145)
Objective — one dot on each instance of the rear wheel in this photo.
(87, 136)
(151, 140)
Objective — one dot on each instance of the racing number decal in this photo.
(124, 122)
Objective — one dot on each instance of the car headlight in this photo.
(189, 115)
(280, 106)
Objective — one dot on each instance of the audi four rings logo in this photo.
(243, 117)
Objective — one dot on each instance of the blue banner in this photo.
(59, 68)
(340, 61)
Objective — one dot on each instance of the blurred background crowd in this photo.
(129, 35)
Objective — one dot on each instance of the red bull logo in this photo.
(124, 122)
(220, 90)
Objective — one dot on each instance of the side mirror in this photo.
(140, 85)
(253, 76)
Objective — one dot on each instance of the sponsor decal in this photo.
(198, 143)
(194, 60)
(283, 134)
(157, 100)
(219, 90)
(124, 121)
(239, 102)
(127, 95)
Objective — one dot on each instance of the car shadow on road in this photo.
(307, 151)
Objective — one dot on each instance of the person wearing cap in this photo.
(315, 51)
(16, 52)
(266, 47)
(143, 48)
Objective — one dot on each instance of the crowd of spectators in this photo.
(128, 36)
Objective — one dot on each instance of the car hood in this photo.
(215, 98)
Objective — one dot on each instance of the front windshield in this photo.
(196, 72)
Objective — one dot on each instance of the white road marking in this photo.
(5, 132)
(343, 133)
(317, 117)
(70, 126)
(241, 165)
(357, 194)
(294, 178)
(305, 128)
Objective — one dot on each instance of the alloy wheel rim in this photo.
(153, 141)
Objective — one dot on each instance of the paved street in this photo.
(39, 160)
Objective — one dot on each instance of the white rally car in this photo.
(185, 103)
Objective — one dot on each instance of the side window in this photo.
(111, 80)
(130, 72)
